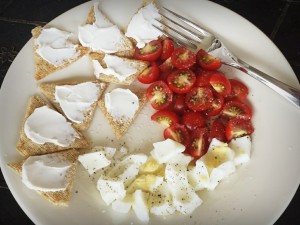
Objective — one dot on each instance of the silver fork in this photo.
(193, 34)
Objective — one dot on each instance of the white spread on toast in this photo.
(54, 46)
(140, 27)
(102, 35)
(45, 125)
(46, 173)
(121, 104)
(115, 66)
(76, 100)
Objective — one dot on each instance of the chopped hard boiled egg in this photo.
(198, 176)
(144, 182)
(94, 161)
(122, 205)
(241, 147)
(140, 206)
(111, 189)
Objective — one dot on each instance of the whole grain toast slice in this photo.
(48, 89)
(44, 68)
(138, 64)
(59, 198)
(27, 147)
(127, 47)
(120, 127)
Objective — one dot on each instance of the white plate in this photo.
(257, 193)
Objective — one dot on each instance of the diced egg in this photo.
(241, 147)
(140, 206)
(110, 189)
(94, 161)
(145, 182)
(151, 166)
(163, 151)
(198, 176)
(122, 205)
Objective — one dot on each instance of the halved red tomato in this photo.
(199, 143)
(238, 128)
(179, 133)
(199, 98)
(203, 78)
(183, 58)
(168, 48)
(217, 130)
(193, 120)
(150, 74)
(236, 109)
(166, 66)
(220, 83)
(165, 117)
(159, 95)
(150, 52)
(181, 81)
(216, 105)
(207, 61)
(179, 105)
(238, 90)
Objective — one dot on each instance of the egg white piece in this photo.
(198, 176)
(110, 189)
(219, 173)
(122, 205)
(140, 206)
(165, 150)
(242, 148)
(94, 161)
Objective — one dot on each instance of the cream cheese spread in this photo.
(140, 27)
(115, 66)
(46, 173)
(77, 100)
(121, 104)
(54, 46)
(47, 125)
(102, 35)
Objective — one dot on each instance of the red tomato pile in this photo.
(195, 101)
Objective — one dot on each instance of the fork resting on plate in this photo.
(192, 35)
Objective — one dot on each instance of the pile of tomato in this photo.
(194, 101)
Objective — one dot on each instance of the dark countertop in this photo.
(278, 19)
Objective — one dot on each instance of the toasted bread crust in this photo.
(26, 147)
(59, 198)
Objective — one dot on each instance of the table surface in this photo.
(278, 19)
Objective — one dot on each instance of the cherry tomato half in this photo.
(150, 74)
(193, 120)
(217, 130)
(236, 109)
(159, 95)
(150, 52)
(216, 105)
(238, 128)
(207, 61)
(203, 78)
(166, 66)
(179, 105)
(167, 48)
(199, 143)
(165, 117)
(181, 81)
(238, 90)
(179, 133)
(220, 83)
(183, 58)
(199, 98)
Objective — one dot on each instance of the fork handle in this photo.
(290, 93)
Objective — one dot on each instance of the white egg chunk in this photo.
(140, 206)
(163, 151)
(145, 182)
(122, 205)
(160, 201)
(219, 161)
(94, 161)
(242, 148)
(198, 176)
(111, 189)
(121, 153)
(185, 200)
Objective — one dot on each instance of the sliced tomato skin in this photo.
(167, 65)
(179, 133)
(182, 58)
(238, 128)
(150, 74)
(236, 109)
(217, 130)
(179, 105)
(165, 117)
(199, 143)
(199, 98)
(216, 105)
(181, 81)
(159, 95)
(193, 120)
(238, 90)
(167, 48)
(203, 78)
(220, 83)
(207, 61)
(150, 52)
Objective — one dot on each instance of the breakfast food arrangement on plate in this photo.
(205, 115)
